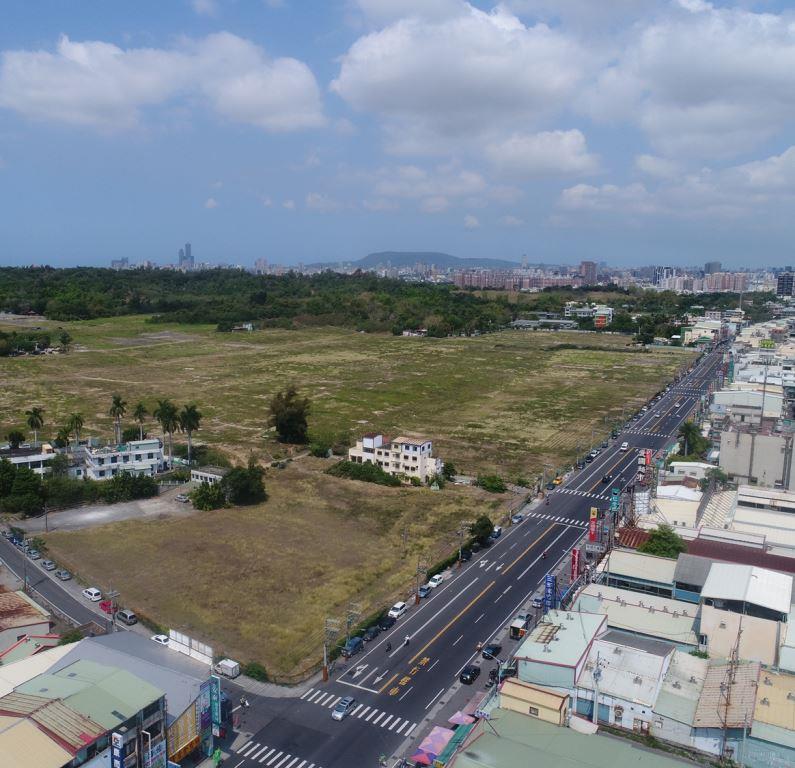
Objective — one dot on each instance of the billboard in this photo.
(592, 524)
(550, 591)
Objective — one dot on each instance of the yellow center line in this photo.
(505, 570)
(448, 625)
(387, 683)
(664, 416)
(609, 470)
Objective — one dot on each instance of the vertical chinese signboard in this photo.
(550, 586)
(575, 564)
(592, 524)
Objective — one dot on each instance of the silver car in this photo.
(344, 708)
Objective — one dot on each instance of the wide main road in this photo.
(396, 685)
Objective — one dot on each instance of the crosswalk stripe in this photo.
(363, 712)
(266, 756)
(375, 722)
(358, 707)
(282, 761)
(250, 747)
(292, 762)
(301, 764)
(255, 755)
(384, 724)
(367, 719)
(324, 698)
(402, 726)
(408, 732)
(306, 693)
(334, 702)
(397, 720)
(275, 758)
(241, 748)
(315, 695)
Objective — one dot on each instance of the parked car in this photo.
(476, 546)
(469, 674)
(538, 602)
(497, 532)
(517, 518)
(34, 554)
(343, 708)
(424, 590)
(580, 464)
(92, 594)
(8, 535)
(386, 622)
(550, 486)
(605, 443)
(371, 633)
(466, 555)
(48, 565)
(127, 617)
(182, 497)
(557, 481)
(491, 651)
(397, 610)
(63, 575)
(435, 581)
(352, 647)
(589, 458)
(160, 639)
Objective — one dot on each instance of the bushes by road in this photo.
(492, 483)
(368, 473)
(241, 485)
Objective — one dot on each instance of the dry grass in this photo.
(258, 582)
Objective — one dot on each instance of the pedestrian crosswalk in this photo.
(584, 494)
(369, 715)
(558, 519)
(634, 431)
(257, 753)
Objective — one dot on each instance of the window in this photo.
(137, 456)
(114, 459)
(149, 455)
(102, 473)
(101, 462)
(533, 711)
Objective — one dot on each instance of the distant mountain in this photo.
(441, 260)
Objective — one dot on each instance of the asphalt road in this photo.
(396, 690)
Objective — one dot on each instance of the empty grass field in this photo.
(508, 402)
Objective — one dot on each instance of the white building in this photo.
(409, 456)
(36, 458)
(209, 475)
(138, 457)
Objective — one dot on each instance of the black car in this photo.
(371, 633)
(491, 651)
(386, 622)
(607, 478)
(605, 444)
(466, 555)
(580, 464)
(476, 546)
(469, 674)
(487, 542)
(588, 459)
(551, 486)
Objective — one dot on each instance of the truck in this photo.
(519, 626)
(228, 668)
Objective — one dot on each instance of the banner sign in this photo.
(592, 524)
(550, 585)
(215, 699)
(575, 563)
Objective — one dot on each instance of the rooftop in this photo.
(737, 553)
(775, 700)
(717, 710)
(18, 610)
(639, 566)
(692, 569)
(525, 741)
(411, 440)
(211, 470)
(681, 687)
(749, 584)
(22, 743)
(566, 635)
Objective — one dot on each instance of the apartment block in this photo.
(409, 456)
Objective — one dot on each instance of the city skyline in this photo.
(295, 134)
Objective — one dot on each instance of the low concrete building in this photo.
(37, 458)
(771, 742)
(677, 701)
(20, 616)
(138, 457)
(408, 456)
(543, 703)
(635, 571)
(209, 475)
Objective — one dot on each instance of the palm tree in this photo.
(139, 414)
(35, 421)
(189, 420)
(167, 416)
(63, 435)
(75, 424)
(15, 438)
(689, 434)
(118, 408)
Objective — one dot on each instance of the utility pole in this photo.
(597, 675)
(331, 631)
(353, 615)
(463, 529)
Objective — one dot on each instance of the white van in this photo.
(624, 447)
(397, 610)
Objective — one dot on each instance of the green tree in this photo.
(482, 528)
(26, 495)
(714, 477)
(139, 414)
(75, 425)
(663, 542)
(449, 470)
(15, 438)
(692, 439)
(34, 418)
(288, 413)
(65, 340)
(62, 436)
(244, 485)
(189, 421)
(118, 408)
(59, 465)
(207, 496)
(168, 418)
(492, 483)
(72, 636)
(7, 472)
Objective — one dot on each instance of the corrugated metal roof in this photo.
(727, 702)
(775, 699)
(23, 744)
(639, 566)
(18, 610)
(632, 538)
(747, 583)
(565, 634)
(737, 553)
(19, 672)
(681, 688)
(691, 569)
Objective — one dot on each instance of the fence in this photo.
(177, 641)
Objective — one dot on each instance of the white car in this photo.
(624, 447)
(435, 581)
(92, 594)
(397, 610)
(160, 639)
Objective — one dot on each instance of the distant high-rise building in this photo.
(784, 284)
(663, 273)
(122, 263)
(588, 272)
(185, 258)
(711, 267)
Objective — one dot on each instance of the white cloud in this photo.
(461, 78)
(471, 222)
(205, 7)
(315, 201)
(657, 167)
(386, 11)
(379, 204)
(411, 181)
(703, 82)
(289, 205)
(776, 173)
(633, 198)
(210, 203)
(435, 204)
(267, 202)
(547, 153)
(511, 221)
(104, 86)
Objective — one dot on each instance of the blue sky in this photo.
(641, 131)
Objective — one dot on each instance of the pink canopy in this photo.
(459, 718)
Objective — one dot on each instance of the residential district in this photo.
(571, 638)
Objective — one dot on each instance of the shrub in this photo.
(492, 483)
(207, 497)
(244, 485)
(255, 671)
(368, 473)
(320, 449)
(72, 636)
